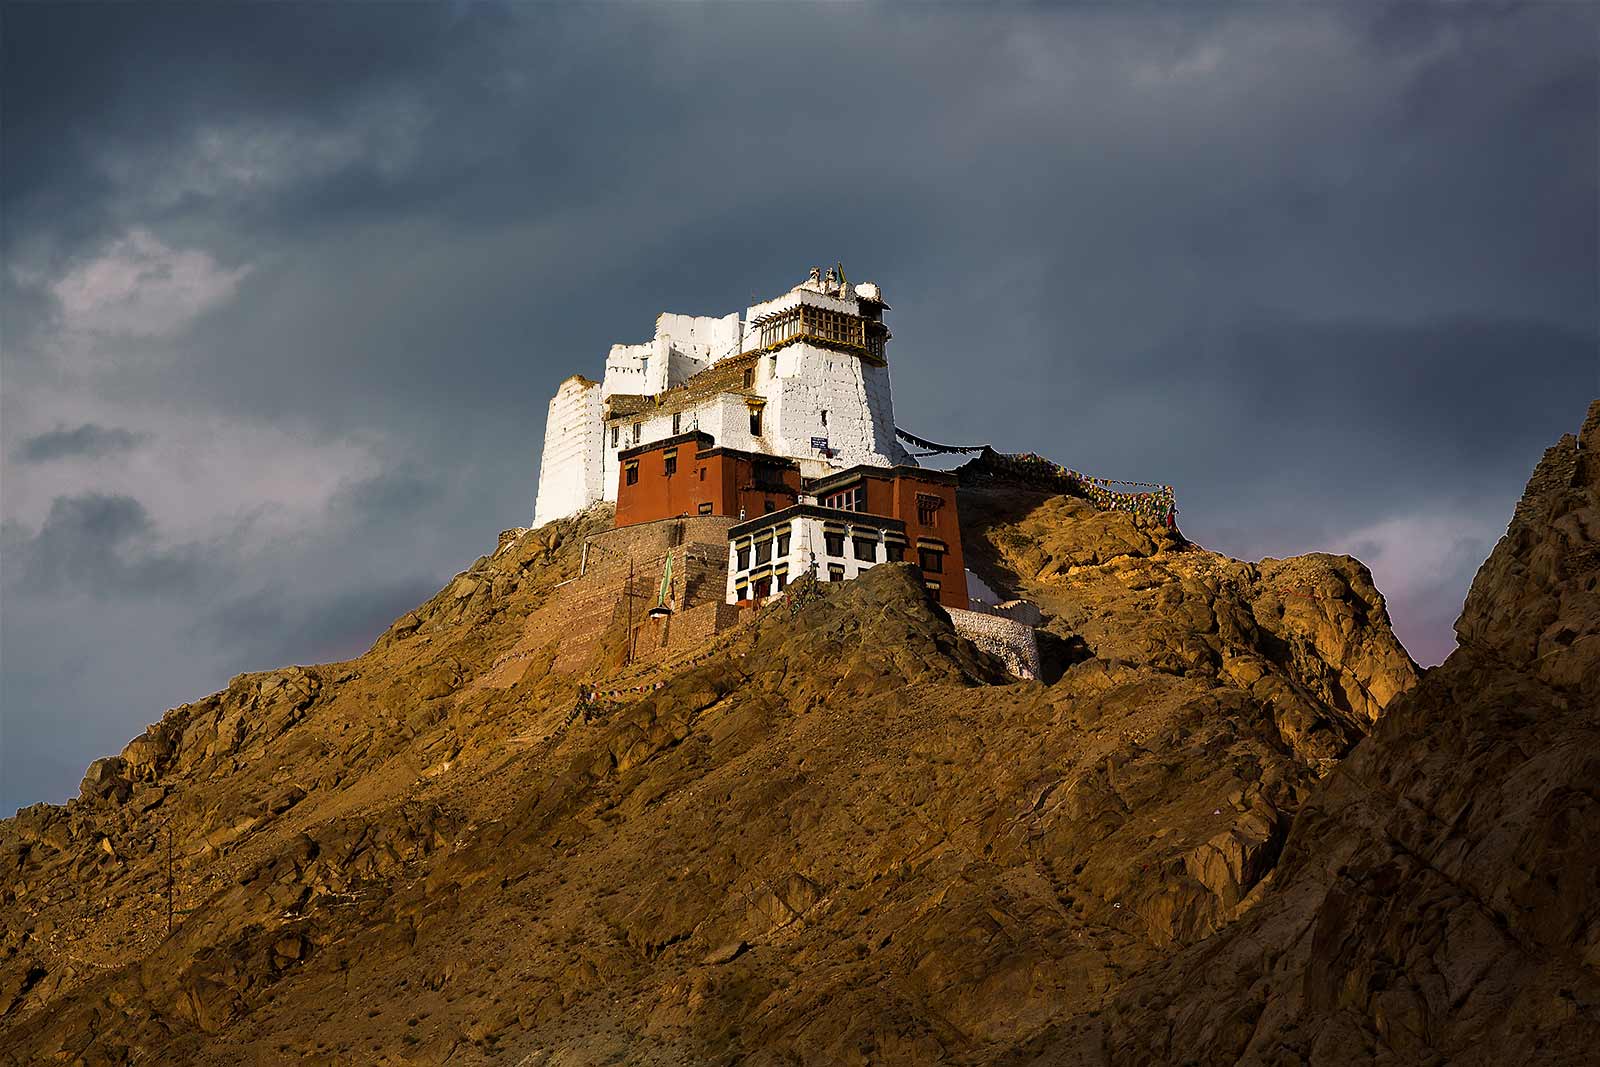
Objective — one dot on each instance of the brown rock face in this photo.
(841, 834)
(1438, 900)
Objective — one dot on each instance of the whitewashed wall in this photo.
(570, 465)
(799, 383)
(860, 427)
(808, 554)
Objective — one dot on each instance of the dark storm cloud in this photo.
(88, 441)
(277, 627)
(1331, 270)
(103, 546)
(387, 497)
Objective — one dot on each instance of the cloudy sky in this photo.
(286, 288)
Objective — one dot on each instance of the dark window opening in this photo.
(705, 509)
(764, 552)
(894, 553)
(749, 377)
(768, 507)
(781, 581)
(702, 474)
(931, 559)
(824, 416)
(633, 474)
(755, 422)
(672, 465)
(783, 544)
(677, 422)
(744, 559)
(761, 586)
(835, 543)
(928, 508)
(616, 431)
(836, 572)
(637, 429)
(768, 477)
(866, 549)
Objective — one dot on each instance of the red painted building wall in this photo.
(704, 480)
(894, 492)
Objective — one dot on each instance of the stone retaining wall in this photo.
(1012, 642)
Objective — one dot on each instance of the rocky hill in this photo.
(1229, 824)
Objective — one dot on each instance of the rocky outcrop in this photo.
(843, 834)
(1438, 899)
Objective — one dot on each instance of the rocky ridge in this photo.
(840, 834)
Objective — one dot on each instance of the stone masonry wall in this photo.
(584, 609)
(1013, 642)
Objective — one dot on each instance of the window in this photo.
(894, 552)
(760, 586)
(766, 475)
(928, 507)
(835, 542)
(768, 507)
(852, 499)
(671, 464)
(866, 549)
(702, 474)
(749, 377)
(836, 572)
(637, 428)
(824, 416)
(764, 551)
(783, 544)
(705, 509)
(677, 422)
(644, 365)
(744, 558)
(616, 431)
(932, 560)
(755, 422)
(632, 472)
(781, 581)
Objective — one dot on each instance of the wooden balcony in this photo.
(830, 329)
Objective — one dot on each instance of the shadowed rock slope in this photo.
(1439, 896)
(839, 834)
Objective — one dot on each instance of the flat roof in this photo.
(708, 447)
(900, 470)
(794, 511)
(668, 442)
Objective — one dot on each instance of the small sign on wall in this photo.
(820, 443)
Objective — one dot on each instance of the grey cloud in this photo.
(104, 546)
(276, 626)
(88, 441)
(387, 497)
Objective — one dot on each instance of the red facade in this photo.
(925, 501)
(689, 475)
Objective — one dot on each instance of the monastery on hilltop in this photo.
(804, 376)
(743, 453)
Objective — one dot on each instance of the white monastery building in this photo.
(803, 376)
